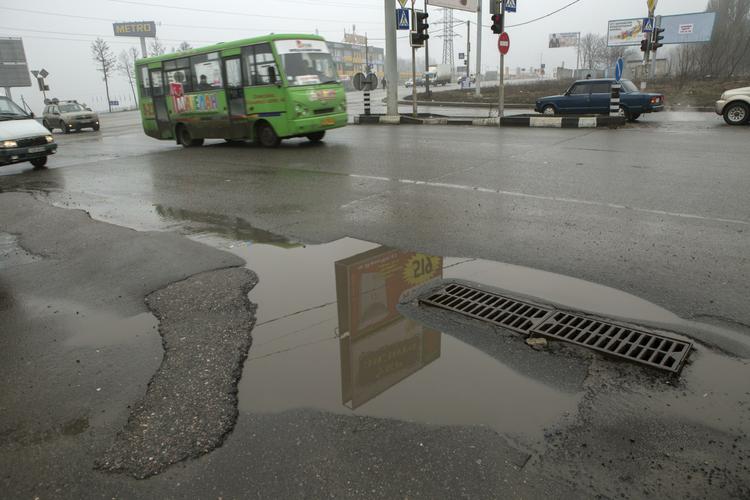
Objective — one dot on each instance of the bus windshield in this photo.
(306, 62)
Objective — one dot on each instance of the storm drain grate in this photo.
(497, 309)
(616, 340)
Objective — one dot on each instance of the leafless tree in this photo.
(105, 59)
(126, 67)
(594, 51)
(157, 48)
(184, 46)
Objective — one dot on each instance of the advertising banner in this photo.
(145, 29)
(14, 72)
(467, 5)
(623, 32)
(557, 40)
(688, 28)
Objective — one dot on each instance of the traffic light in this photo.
(497, 23)
(644, 45)
(420, 34)
(658, 37)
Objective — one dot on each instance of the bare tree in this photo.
(157, 48)
(126, 67)
(106, 61)
(594, 51)
(184, 46)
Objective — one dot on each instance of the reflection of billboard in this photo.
(468, 5)
(688, 28)
(625, 32)
(557, 40)
(14, 72)
(379, 348)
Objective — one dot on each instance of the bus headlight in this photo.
(300, 109)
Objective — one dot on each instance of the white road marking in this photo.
(519, 194)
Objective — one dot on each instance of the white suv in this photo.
(734, 105)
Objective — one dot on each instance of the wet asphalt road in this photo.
(658, 209)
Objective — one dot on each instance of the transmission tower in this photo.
(448, 34)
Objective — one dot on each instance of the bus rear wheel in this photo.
(186, 140)
(316, 136)
(266, 136)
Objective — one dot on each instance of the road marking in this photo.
(519, 194)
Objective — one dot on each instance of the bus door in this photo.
(158, 91)
(238, 123)
(265, 94)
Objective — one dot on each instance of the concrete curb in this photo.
(488, 105)
(537, 121)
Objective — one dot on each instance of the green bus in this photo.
(264, 89)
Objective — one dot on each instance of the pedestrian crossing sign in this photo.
(510, 5)
(402, 19)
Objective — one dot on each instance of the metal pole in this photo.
(426, 59)
(367, 57)
(501, 86)
(578, 52)
(478, 69)
(414, 81)
(468, 51)
(143, 47)
(391, 64)
(7, 93)
(657, 24)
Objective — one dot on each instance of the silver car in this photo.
(734, 106)
(69, 116)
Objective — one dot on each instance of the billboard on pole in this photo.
(143, 29)
(557, 40)
(625, 32)
(14, 71)
(468, 5)
(688, 28)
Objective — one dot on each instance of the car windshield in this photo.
(71, 108)
(10, 110)
(306, 62)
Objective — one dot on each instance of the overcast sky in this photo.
(61, 45)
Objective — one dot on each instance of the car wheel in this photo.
(186, 140)
(633, 117)
(64, 127)
(548, 110)
(47, 125)
(39, 162)
(266, 136)
(95, 128)
(736, 113)
(625, 114)
(316, 136)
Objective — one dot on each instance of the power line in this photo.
(544, 16)
(235, 13)
(99, 36)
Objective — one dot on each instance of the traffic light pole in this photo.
(391, 63)
(427, 61)
(478, 69)
(657, 25)
(501, 84)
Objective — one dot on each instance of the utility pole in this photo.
(657, 25)
(477, 91)
(468, 51)
(427, 60)
(501, 88)
(143, 47)
(391, 64)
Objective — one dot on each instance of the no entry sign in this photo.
(503, 43)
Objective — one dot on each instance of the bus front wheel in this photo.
(266, 136)
(316, 136)
(186, 140)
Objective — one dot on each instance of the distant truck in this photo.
(440, 74)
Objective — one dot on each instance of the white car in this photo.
(734, 106)
(22, 138)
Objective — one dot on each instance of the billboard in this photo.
(557, 40)
(14, 72)
(688, 28)
(468, 5)
(145, 29)
(623, 32)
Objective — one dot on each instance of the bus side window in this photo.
(157, 88)
(233, 71)
(260, 64)
(145, 84)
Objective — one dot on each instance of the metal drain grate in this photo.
(623, 342)
(503, 311)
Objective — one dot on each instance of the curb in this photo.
(538, 121)
(487, 105)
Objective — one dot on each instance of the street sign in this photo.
(619, 67)
(403, 3)
(510, 5)
(365, 82)
(143, 29)
(648, 25)
(651, 6)
(461, 55)
(114, 103)
(43, 73)
(402, 19)
(503, 43)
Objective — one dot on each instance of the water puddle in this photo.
(12, 254)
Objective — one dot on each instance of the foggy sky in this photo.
(61, 45)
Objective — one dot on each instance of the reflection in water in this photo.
(380, 348)
(228, 227)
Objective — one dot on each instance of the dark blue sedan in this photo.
(593, 96)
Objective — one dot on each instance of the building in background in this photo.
(354, 54)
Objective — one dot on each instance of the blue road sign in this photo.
(402, 19)
(619, 66)
(648, 24)
(510, 5)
